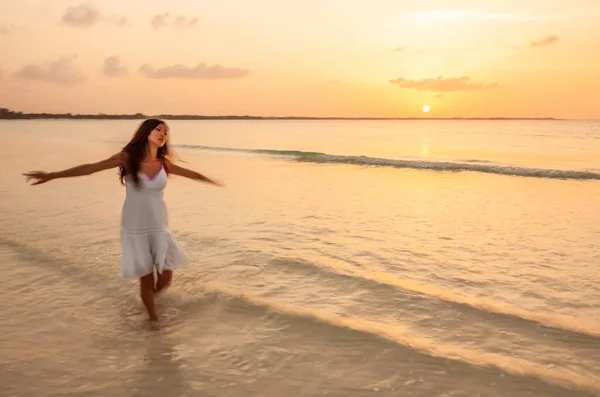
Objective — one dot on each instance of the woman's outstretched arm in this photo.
(40, 177)
(177, 170)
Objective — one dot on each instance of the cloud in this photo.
(548, 40)
(439, 96)
(400, 49)
(6, 30)
(85, 15)
(179, 22)
(81, 15)
(159, 21)
(200, 71)
(441, 84)
(60, 71)
(114, 67)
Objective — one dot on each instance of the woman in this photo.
(145, 238)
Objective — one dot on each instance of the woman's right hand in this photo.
(38, 177)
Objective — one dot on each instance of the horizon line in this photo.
(6, 113)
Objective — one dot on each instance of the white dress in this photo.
(145, 238)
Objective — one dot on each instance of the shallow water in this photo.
(313, 273)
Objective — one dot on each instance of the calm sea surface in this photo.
(344, 258)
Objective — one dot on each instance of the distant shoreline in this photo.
(6, 114)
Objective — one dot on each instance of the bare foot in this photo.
(154, 325)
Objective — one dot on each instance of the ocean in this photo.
(343, 258)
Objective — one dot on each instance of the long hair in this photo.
(137, 148)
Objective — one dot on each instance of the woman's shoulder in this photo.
(166, 161)
(117, 160)
(122, 157)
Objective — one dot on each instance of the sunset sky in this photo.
(349, 58)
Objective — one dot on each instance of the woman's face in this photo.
(158, 137)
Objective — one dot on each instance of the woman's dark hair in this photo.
(136, 150)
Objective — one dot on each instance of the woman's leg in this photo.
(163, 280)
(147, 294)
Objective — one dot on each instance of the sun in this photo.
(426, 108)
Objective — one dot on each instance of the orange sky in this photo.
(374, 58)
